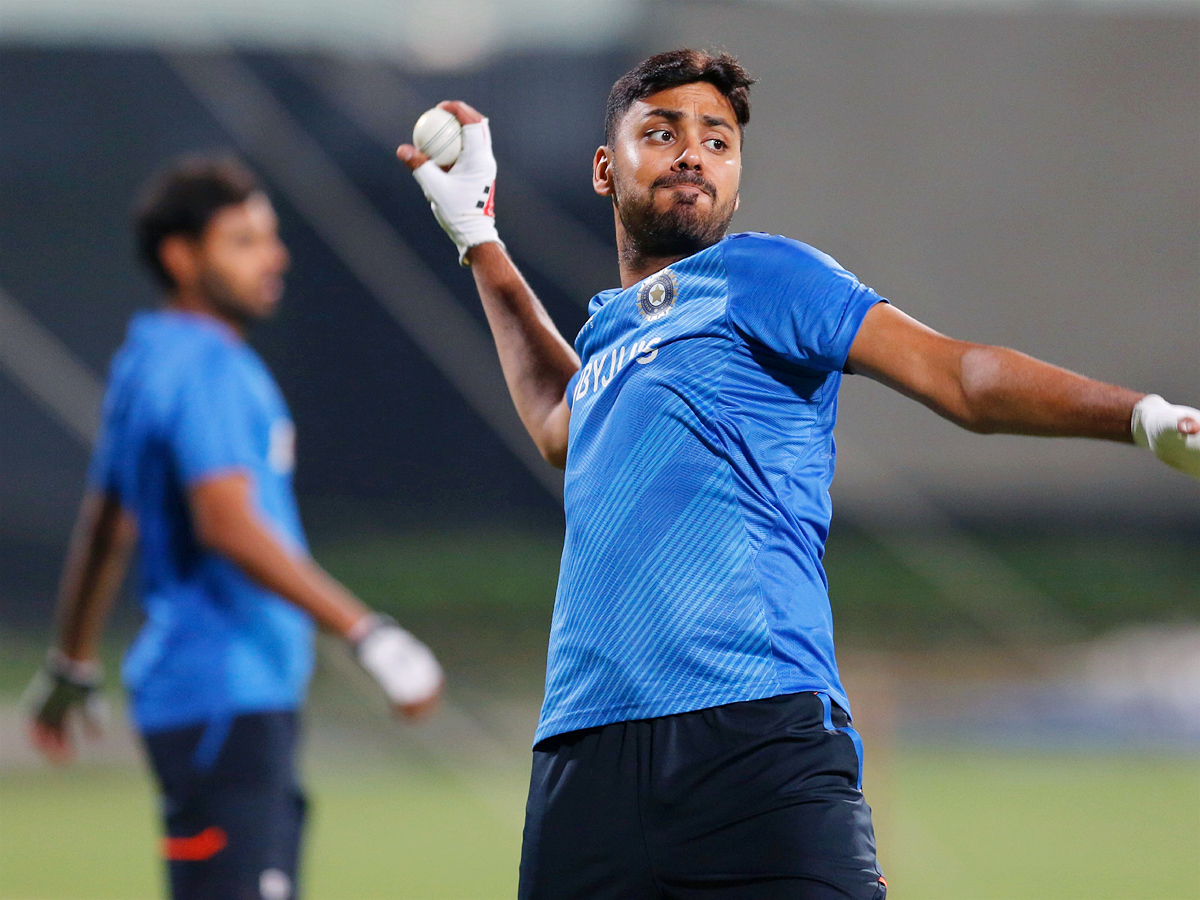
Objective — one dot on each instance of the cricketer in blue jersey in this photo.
(194, 461)
(695, 739)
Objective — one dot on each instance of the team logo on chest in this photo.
(657, 295)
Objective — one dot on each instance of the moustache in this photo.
(677, 178)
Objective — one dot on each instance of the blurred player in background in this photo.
(194, 465)
(695, 739)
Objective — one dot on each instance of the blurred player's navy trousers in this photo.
(232, 806)
(749, 801)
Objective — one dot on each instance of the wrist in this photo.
(480, 253)
(1142, 410)
(81, 671)
(363, 626)
(485, 235)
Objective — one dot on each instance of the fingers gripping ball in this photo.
(463, 199)
(438, 135)
(1156, 426)
(405, 668)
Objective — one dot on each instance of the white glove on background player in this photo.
(1156, 427)
(405, 668)
(463, 199)
(62, 691)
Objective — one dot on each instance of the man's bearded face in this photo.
(240, 261)
(674, 170)
(662, 221)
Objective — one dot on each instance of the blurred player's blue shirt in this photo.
(188, 400)
(697, 487)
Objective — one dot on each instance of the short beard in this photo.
(680, 230)
(223, 299)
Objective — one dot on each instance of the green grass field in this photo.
(436, 812)
(953, 825)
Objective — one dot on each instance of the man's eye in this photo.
(660, 134)
(716, 144)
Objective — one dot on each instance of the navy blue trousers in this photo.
(232, 807)
(755, 801)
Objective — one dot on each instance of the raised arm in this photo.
(996, 390)
(536, 360)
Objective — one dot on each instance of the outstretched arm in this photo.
(536, 360)
(993, 389)
(987, 389)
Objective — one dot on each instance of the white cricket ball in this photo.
(438, 134)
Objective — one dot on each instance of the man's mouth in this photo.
(690, 185)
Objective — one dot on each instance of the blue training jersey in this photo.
(188, 400)
(697, 487)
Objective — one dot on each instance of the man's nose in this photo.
(689, 156)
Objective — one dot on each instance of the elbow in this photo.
(969, 413)
(115, 526)
(977, 426)
(109, 527)
(980, 386)
(125, 533)
(552, 433)
(554, 452)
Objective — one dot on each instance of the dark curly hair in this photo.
(182, 199)
(672, 69)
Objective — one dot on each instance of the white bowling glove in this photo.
(463, 199)
(1156, 426)
(404, 667)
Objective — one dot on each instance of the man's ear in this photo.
(737, 201)
(602, 173)
(177, 253)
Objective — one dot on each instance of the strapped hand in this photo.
(64, 690)
(463, 198)
(1172, 432)
(405, 668)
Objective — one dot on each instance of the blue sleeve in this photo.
(212, 431)
(794, 300)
